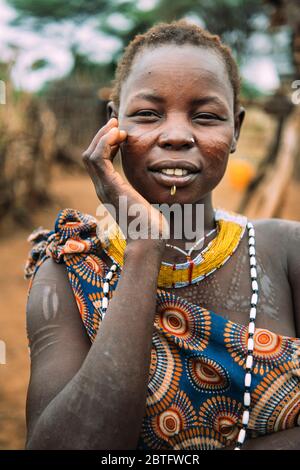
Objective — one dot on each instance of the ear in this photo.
(238, 122)
(111, 110)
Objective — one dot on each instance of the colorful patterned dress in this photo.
(197, 369)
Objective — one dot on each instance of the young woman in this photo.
(134, 344)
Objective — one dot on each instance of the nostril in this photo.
(176, 146)
(178, 142)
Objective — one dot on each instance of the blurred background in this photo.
(57, 61)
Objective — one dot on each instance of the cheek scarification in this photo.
(216, 150)
(137, 145)
(139, 135)
(215, 154)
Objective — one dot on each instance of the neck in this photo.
(198, 222)
(219, 247)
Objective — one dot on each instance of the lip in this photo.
(170, 180)
(164, 164)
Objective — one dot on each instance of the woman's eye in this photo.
(207, 116)
(146, 114)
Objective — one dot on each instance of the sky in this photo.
(261, 69)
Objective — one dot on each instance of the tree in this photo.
(233, 20)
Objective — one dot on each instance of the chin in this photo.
(163, 196)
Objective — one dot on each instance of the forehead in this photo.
(173, 70)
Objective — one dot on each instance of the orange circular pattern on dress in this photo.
(276, 401)
(153, 363)
(73, 224)
(159, 428)
(74, 246)
(207, 375)
(174, 321)
(80, 305)
(222, 414)
(269, 348)
(93, 264)
(266, 342)
(227, 427)
(169, 423)
(89, 267)
(164, 376)
(183, 323)
(197, 438)
(79, 297)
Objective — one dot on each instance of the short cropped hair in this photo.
(179, 33)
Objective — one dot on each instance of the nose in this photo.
(176, 138)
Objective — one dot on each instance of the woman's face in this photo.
(177, 108)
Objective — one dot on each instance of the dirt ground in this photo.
(70, 190)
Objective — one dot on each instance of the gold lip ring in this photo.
(173, 190)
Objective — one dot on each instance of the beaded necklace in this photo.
(251, 328)
(230, 228)
(188, 254)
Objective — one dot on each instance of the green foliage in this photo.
(39, 64)
(230, 18)
(250, 91)
(57, 9)
(233, 20)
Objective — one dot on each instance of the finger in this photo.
(106, 148)
(115, 148)
(113, 122)
(123, 135)
(116, 136)
(106, 128)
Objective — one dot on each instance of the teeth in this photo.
(178, 171)
(174, 171)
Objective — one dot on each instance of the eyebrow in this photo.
(149, 97)
(196, 101)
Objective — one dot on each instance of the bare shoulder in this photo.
(58, 341)
(281, 231)
(51, 302)
(289, 229)
(293, 250)
(281, 239)
(276, 227)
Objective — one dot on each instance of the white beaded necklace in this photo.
(188, 253)
(251, 328)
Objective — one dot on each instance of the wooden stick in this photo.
(269, 195)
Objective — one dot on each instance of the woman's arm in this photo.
(102, 405)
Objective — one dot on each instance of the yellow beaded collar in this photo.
(230, 227)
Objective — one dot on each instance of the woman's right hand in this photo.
(109, 184)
